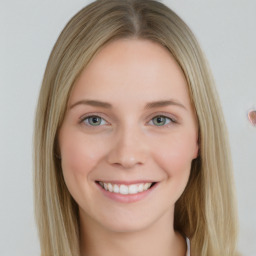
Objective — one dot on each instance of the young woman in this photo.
(131, 150)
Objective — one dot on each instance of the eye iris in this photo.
(94, 120)
(159, 120)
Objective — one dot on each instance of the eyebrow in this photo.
(149, 105)
(94, 103)
(164, 103)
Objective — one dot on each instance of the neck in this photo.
(158, 239)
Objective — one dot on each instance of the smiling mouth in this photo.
(126, 189)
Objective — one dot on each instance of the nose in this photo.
(128, 149)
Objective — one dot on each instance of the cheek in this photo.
(175, 157)
(78, 154)
(79, 157)
(175, 154)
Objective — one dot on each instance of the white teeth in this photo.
(146, 186)
(116, 189)
(110, 188)
(140, 188)
(133, 189)
(124, 189)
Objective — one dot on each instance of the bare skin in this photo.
(136, 141)
(157, 240)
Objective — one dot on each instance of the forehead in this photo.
(133, 67)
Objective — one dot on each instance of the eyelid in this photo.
(164, 114)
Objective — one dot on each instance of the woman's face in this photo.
(128, 137)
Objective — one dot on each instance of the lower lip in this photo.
(129, 198)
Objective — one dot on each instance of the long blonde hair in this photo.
(206, 211)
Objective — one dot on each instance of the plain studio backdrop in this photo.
(29, 29)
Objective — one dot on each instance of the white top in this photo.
(188, 247)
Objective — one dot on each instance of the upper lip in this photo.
(126, 182)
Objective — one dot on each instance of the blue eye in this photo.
(94, 121)
(161, 120)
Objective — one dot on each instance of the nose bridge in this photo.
(129, 147)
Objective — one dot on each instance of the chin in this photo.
(127, 226)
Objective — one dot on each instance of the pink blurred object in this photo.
(252, 117)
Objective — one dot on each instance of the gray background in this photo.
(28, 30)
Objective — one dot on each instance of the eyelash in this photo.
(171, 119)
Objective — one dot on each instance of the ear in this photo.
(196, 152)
(197, 147)
(57, 149)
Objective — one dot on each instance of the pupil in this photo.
(95, 120)
(160, 120)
